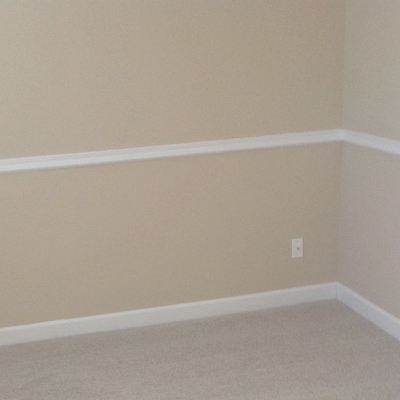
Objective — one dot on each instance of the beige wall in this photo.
(372, 65)
(93, 240)
(369, 256)
(82, 76)
(104, 74)
(97, 75)
(369, 260)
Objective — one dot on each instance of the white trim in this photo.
(372, 142)
(198, 148)
(203, 309)
(160, 315)
(381, 318)
(168, 151)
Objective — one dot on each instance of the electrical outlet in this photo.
(297, 248)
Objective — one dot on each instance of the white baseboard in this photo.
(370, 311)
(168, 314)
(202, 309)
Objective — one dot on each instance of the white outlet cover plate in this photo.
(297, 248)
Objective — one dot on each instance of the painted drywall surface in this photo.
(103, 239)
(369, 251)
(369, 256)
(372, 65)
(97, 75)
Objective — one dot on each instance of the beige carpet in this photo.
(316, 351)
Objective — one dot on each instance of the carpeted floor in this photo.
(315, 351)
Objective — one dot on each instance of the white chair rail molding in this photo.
(198, 148)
